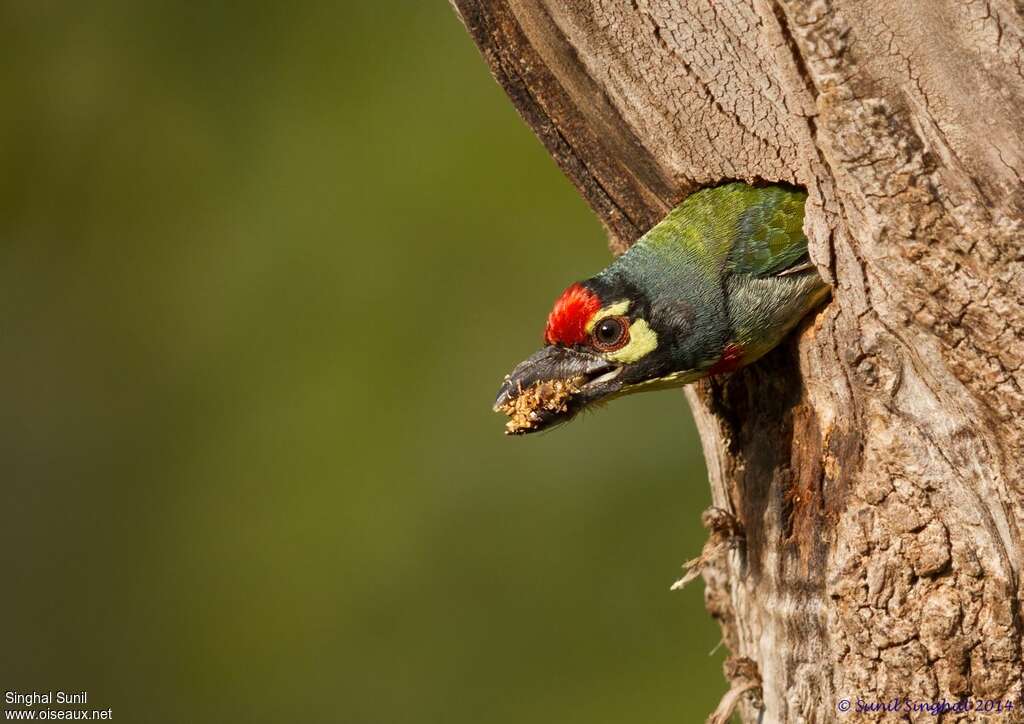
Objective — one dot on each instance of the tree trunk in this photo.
(872, 467)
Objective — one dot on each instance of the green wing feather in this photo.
(743, 229)
(769, 233)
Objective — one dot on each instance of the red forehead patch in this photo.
(568, 320)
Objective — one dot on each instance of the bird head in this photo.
(605, 337)
(713, 286)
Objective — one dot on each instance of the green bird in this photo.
(715, 285)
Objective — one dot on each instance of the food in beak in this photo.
(538, 402)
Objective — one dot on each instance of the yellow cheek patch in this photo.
(642, 341)
(612, 310)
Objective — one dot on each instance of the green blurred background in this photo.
(263, 266)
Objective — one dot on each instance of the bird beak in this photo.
(552, 385)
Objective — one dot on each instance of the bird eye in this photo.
(610, 334)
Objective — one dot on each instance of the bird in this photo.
(716, 284)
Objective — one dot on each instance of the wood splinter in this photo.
(725, 533)
(745, 678)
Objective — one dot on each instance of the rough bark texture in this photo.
(874, 464)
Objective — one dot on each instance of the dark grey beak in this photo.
(591, 375)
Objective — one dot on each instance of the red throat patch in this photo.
(732, 358)
(567, 323)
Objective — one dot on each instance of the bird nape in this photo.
(716, 284)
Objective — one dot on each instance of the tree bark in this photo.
(873, 465)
